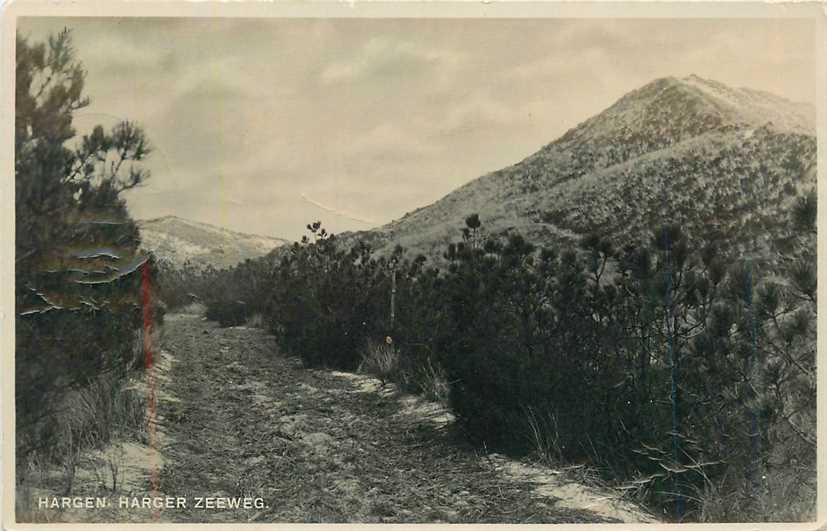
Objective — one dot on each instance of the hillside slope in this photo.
(177, 241)
(725, 163)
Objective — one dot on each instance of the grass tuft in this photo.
(381, 359)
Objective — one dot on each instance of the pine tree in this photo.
(76, 262)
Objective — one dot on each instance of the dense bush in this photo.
(179, 286)
(327, 302)
(667, 362)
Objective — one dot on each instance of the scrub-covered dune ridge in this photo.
(620, 327)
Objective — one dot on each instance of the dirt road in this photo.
(239, 421)
(242, 420)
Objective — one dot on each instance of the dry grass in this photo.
(419, 375)
(544, 439)
(783, 496)
(88, 423)
(432, 382)
(381, 359)
(104, 410)
(543, 435)
(94, 420)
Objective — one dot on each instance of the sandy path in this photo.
(243, 421)
(236, 419)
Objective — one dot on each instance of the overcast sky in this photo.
(265, 125)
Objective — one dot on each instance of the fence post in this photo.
(393, 298)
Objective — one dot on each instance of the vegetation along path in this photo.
(241, 420)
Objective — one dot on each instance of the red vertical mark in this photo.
(146, 299)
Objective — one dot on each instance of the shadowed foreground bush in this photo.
(82, 286)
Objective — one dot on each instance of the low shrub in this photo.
(381, 359)
(92, 417)
(227, 313)
(430, 380)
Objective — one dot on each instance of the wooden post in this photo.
(393, 298)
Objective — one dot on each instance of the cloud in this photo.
(119, 56)
(389, 139)
(384, 57)
(477, 112)
(370, 118)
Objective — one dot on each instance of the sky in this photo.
(264, 125)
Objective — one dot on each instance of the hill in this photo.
(725, 163)
(177, 240)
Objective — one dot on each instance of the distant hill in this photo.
(725, 163)
(177, 240)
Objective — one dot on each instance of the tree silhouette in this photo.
(76, 287)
